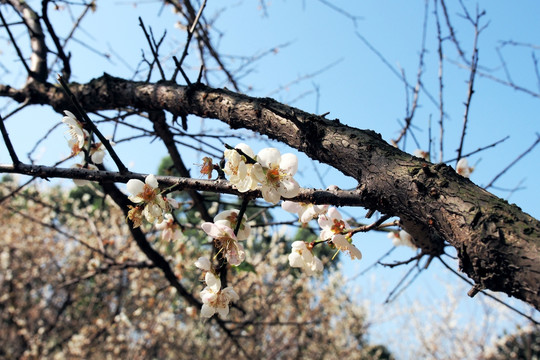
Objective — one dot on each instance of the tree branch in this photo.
(497, 244)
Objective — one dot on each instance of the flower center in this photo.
(273, 176)
(148, 193)
(338, 227)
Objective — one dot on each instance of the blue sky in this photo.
(358, 89)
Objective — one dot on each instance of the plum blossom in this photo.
(239, 169)
(216, 299)
(203, 263)
(78, 135)
(147, 193)
(401, 238)
(275, 174)
(225, 240)
(302, 257)
(333, 225)
(98, 152)
(305, 211)
(170, 230)
(421, 154)
(463, 168)
(231, 216)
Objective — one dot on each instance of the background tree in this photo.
(496, 243)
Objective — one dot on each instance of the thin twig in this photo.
(190, 33)
(14, 43)
(9, 145)
(488, 294)
(514, 162)
(152, 45)
(470, 88)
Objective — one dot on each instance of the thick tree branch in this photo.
(497, 243)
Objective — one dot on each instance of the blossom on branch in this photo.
(401, 238)
(333, 227)
(302, 257)
(275, 174)
(147, 193)
(78, 135)
(463, 168)
(239, 169)
(225, 240)
(305, 211)
(203, 263)
(98, 152)
(216, 299)
(231, 216)
(170, 230)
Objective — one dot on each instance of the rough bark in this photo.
(497, 243)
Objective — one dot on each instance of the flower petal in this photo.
(203, 263)
(269, 157)
(151, 181)
(207, 311)
(289, 163)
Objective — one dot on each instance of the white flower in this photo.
(275, 174)
(231, 216)
(401, 238)
(76, 132)
(148, 193)
(203, 263)
(344, 245)
(301, 257)
(225, 240)
(82, 182)
(143, 191)
(169, 228)
(216, 299)
(421, 154)
(463, 168)
(332, 226)
(238, 169)
(98, 152)
(305, 211)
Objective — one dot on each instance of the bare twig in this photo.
(472, 76)
(153, 47)
(529, 149)
(488, 294)
(14, 43)
(8, 143)
(410, 115)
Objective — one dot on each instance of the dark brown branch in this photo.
(8, 143)
(498, 244)
(66, 70)
(14, 43)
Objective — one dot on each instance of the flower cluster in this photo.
(214, 298)
(222, 231)
(150, 204)
(302, 257)
(270, 171)
(306, 212)
(333, 226)
(333, 230)
(78, 143)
